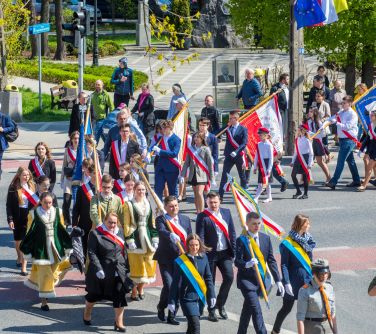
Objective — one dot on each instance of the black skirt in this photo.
(318, 148)
(371, 149)
(20, 225)
(259, 179)
(297, 165)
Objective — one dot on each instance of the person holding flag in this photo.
(168, 250)
(237, 138)
(296, 256)
(216, 230)
(247, 280)
(347, 130)
(264, 163)
(192, 283)
(302, 161)
(43, 164)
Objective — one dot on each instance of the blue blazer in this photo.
(207, 231)
(247, 278)
(167, 251)
(293, 271)
(164, 164)
(8, 127)
(241, 137)
(182, 288)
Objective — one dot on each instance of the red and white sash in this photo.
(31, 197)
(348, 134)
(200, 163)
(371, 131)
(119, 241)
(262, 167)
(122, 195)
(119, 185)
(115, 153)
(72, 154)
(278, 168)
(87, 191)
(179, 230)
(302, 160)
(175, 161)
(235, 145)
(37, 167)
(219, 222)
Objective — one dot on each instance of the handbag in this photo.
(13, 135)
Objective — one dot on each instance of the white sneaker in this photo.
(267, 200)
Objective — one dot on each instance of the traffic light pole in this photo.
(39, 41)
(95, 40)
(80, 65)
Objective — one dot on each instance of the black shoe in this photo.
(135, 299)
(161, 314)
(87, 322)
(297, 195)
(303, 196)
(212, 316)
(353, 184)
(119, 329)
(284, 186)
(171, 319)
(330, 185)
(373, 182)
(24, 273)
(141, 296)
(222, 313)
(45, 308)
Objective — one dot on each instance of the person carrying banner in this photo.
(199, 164)
(264, 164)
(296, 256)
(168, 167)
(20, 193)
(347, 131)
(316, 312)
(302, 161)
(192, 283)
(42, 164)
(217, 231)
(247, 280)
(168, 251)
(237, 138)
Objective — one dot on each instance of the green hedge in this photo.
(58, 72)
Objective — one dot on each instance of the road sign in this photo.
(39, 28)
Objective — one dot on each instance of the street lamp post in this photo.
(142, 29)
(95, 42)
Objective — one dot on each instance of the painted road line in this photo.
(329, 249)
(351, 273)
(323, 209)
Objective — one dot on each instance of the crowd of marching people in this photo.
(120, 227)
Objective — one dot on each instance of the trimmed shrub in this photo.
(109, 48)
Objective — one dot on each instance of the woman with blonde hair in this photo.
(42, 164)
(142, 240)
(21, 191)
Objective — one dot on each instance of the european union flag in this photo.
(308, 12)
(365, 105)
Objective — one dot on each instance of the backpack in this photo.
(12, 136)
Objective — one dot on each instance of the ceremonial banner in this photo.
(180, 129)
(268, 116)
(362, 106)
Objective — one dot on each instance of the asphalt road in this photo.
(343, 225)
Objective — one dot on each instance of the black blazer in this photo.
(247, 278)
(167, 251)
(75, 119)
(241, 137)
(132, 148)
(49, 169)
(81, 210)
(207, 231)
(282, 100)
(148, 118)
(12, 205)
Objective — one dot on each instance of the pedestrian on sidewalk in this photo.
(178, 94)
(251, 91)
(6, 126)
(123, 79)
(78, 114)
(211, 113)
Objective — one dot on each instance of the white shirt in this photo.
(349, 123)
(287, 93)
(266, 152)
(123, 151)
(222, 240)
(174, 220)
(256, 237)
(305, 147)
(46, 214)
(313, 129)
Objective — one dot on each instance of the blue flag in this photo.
(77, 172)
(364, 105)
(308, 13)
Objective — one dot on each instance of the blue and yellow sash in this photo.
(299, 253)
(193, 276)
(256, 249)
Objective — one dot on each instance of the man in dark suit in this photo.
(247, 280)
(216, 229)
(122, 150)
(168, 250)
(79, 110)
(237, 138)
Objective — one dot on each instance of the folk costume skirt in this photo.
(142, 267)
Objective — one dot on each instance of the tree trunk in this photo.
(3, 66)
(113, 16)
(60, 47)
(368, 65)
(45, 18)
(350, 70)
(33, 40)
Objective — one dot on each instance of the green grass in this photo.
(31, 112)
(118, 26)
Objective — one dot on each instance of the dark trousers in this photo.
(167, 271)
(227, 166)
(296, 182)
(1, 158)
(193, 324)
(121, 99)
(251, 308)
(278, 177)
(288, 303)
(67, 200)
(223, 261)
(172, 183)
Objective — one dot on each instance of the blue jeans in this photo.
(1, 158)
(98, 131)
(345, 153)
